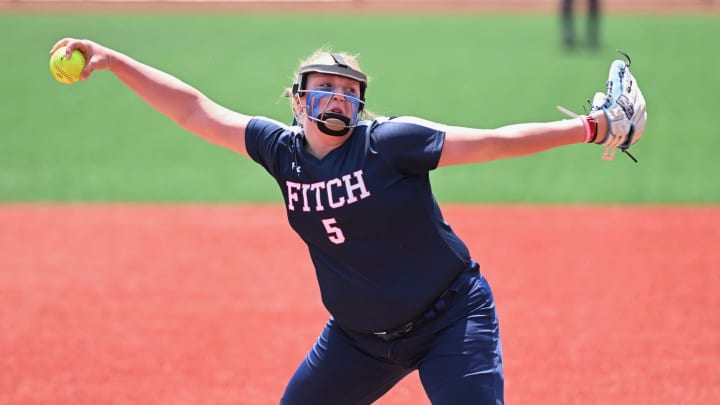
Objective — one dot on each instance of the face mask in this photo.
(317, 102)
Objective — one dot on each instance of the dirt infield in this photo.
(189, 304)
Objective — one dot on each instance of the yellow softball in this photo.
(67, 70)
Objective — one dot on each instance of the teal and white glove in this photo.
(624, 107)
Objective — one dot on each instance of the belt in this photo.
(441, 304)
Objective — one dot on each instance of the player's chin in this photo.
(336, 124)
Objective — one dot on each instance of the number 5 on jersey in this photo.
(335, 234)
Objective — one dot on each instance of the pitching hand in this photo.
(97, 57)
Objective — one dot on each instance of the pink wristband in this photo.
(590, 125)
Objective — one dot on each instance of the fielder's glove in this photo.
(624, 107)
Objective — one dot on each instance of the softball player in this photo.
(402, 289)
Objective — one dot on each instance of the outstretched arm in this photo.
(616, 120)
(469, 145)
(180, 102)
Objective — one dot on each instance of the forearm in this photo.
(467, 145)
(531, 138)
(180, 102)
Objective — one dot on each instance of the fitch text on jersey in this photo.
(333, 193)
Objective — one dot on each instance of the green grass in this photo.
(96, 141)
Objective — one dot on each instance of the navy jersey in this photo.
(380, 246)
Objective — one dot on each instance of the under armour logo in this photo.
(296, 167)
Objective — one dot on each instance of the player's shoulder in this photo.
(260, 128)
(402, 126)
(409, 144)
(404, 121)
(261, 122)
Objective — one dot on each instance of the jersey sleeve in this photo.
(263, 138)
(411, 145)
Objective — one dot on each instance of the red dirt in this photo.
(143, 304)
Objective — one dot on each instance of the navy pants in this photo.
(458, 357)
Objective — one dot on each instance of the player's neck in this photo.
(320, 145)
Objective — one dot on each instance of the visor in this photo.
(340, 68)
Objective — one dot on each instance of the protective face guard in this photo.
(319, 99)
(317, 102)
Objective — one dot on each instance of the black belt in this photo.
(441, 304)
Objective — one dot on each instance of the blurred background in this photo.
(480, 63)
(145, 303)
